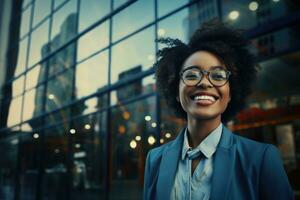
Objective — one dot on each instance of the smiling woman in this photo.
(211, 77)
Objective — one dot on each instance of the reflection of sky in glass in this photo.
(165, 7)
(118, 3)
(91, 11)
(175, 26)
(92, 74)
(58, 3)
(93, 41)
(32, 77)
(61, 15)
(136, 50)
(90, 105)
(21, 56)
(25, 3)
(25, 21)
(39, 39)
(42, 9)
(133, 17)
(29, 102)
(14, 111)
(18, 85)
(34, 102)
(59, 90)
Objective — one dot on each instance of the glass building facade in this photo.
(79, 109)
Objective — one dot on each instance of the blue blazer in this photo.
(243, 169)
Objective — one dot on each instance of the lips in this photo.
(204, 98)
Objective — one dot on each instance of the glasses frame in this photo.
(205, 73)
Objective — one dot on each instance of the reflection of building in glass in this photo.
(58, 90)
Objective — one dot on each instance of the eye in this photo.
(191, 75)
(218, 75)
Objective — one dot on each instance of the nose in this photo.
(204, 82)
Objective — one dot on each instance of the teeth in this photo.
(204, 97)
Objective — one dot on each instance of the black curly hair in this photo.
(227, 44)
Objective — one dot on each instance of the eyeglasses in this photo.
(192, 76)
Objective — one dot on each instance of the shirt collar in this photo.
(207, 146)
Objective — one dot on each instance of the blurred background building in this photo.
(79, 109)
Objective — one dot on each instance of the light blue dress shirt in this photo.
(196, 186)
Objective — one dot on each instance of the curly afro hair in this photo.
(227, 44)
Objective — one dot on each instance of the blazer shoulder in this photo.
(251, 150)
(157, 152)
(249, 144)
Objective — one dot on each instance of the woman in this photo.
(206, 82)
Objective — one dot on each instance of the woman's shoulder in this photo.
(253, 150)
(157, 152)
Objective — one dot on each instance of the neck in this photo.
(199, 129)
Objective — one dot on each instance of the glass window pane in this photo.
(132, 137)
(39, 44)
(18, 86)
(58, 3)
(42, 9)
(118, 3)
(25, 3)
(22, 55)
(35, 76)
(132, 18)
(165, 7)
(88, 75)
(59, 117)
(88, 157)
(25, 21)
(33, 103)
(14, 111)
(29, 170)
(59, 90)
(93, 41)
(247, 14)
(276, 42)
(8, 163)
(90, 105)
(170, 124)
(138, 50)
(62, 60)
(55, 149)
(140, 87)
(175, 26)
(64, 24)
(96, 9)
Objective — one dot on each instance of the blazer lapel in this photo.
(223, 166)
(168, 168)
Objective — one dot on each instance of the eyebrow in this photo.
(197, 67)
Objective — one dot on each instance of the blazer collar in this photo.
(168, 167)
(223, 166)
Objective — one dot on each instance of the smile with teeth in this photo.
(204, 97)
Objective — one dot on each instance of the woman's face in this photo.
(203, 101)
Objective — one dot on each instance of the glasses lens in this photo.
(218, 77)
(191, 77)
